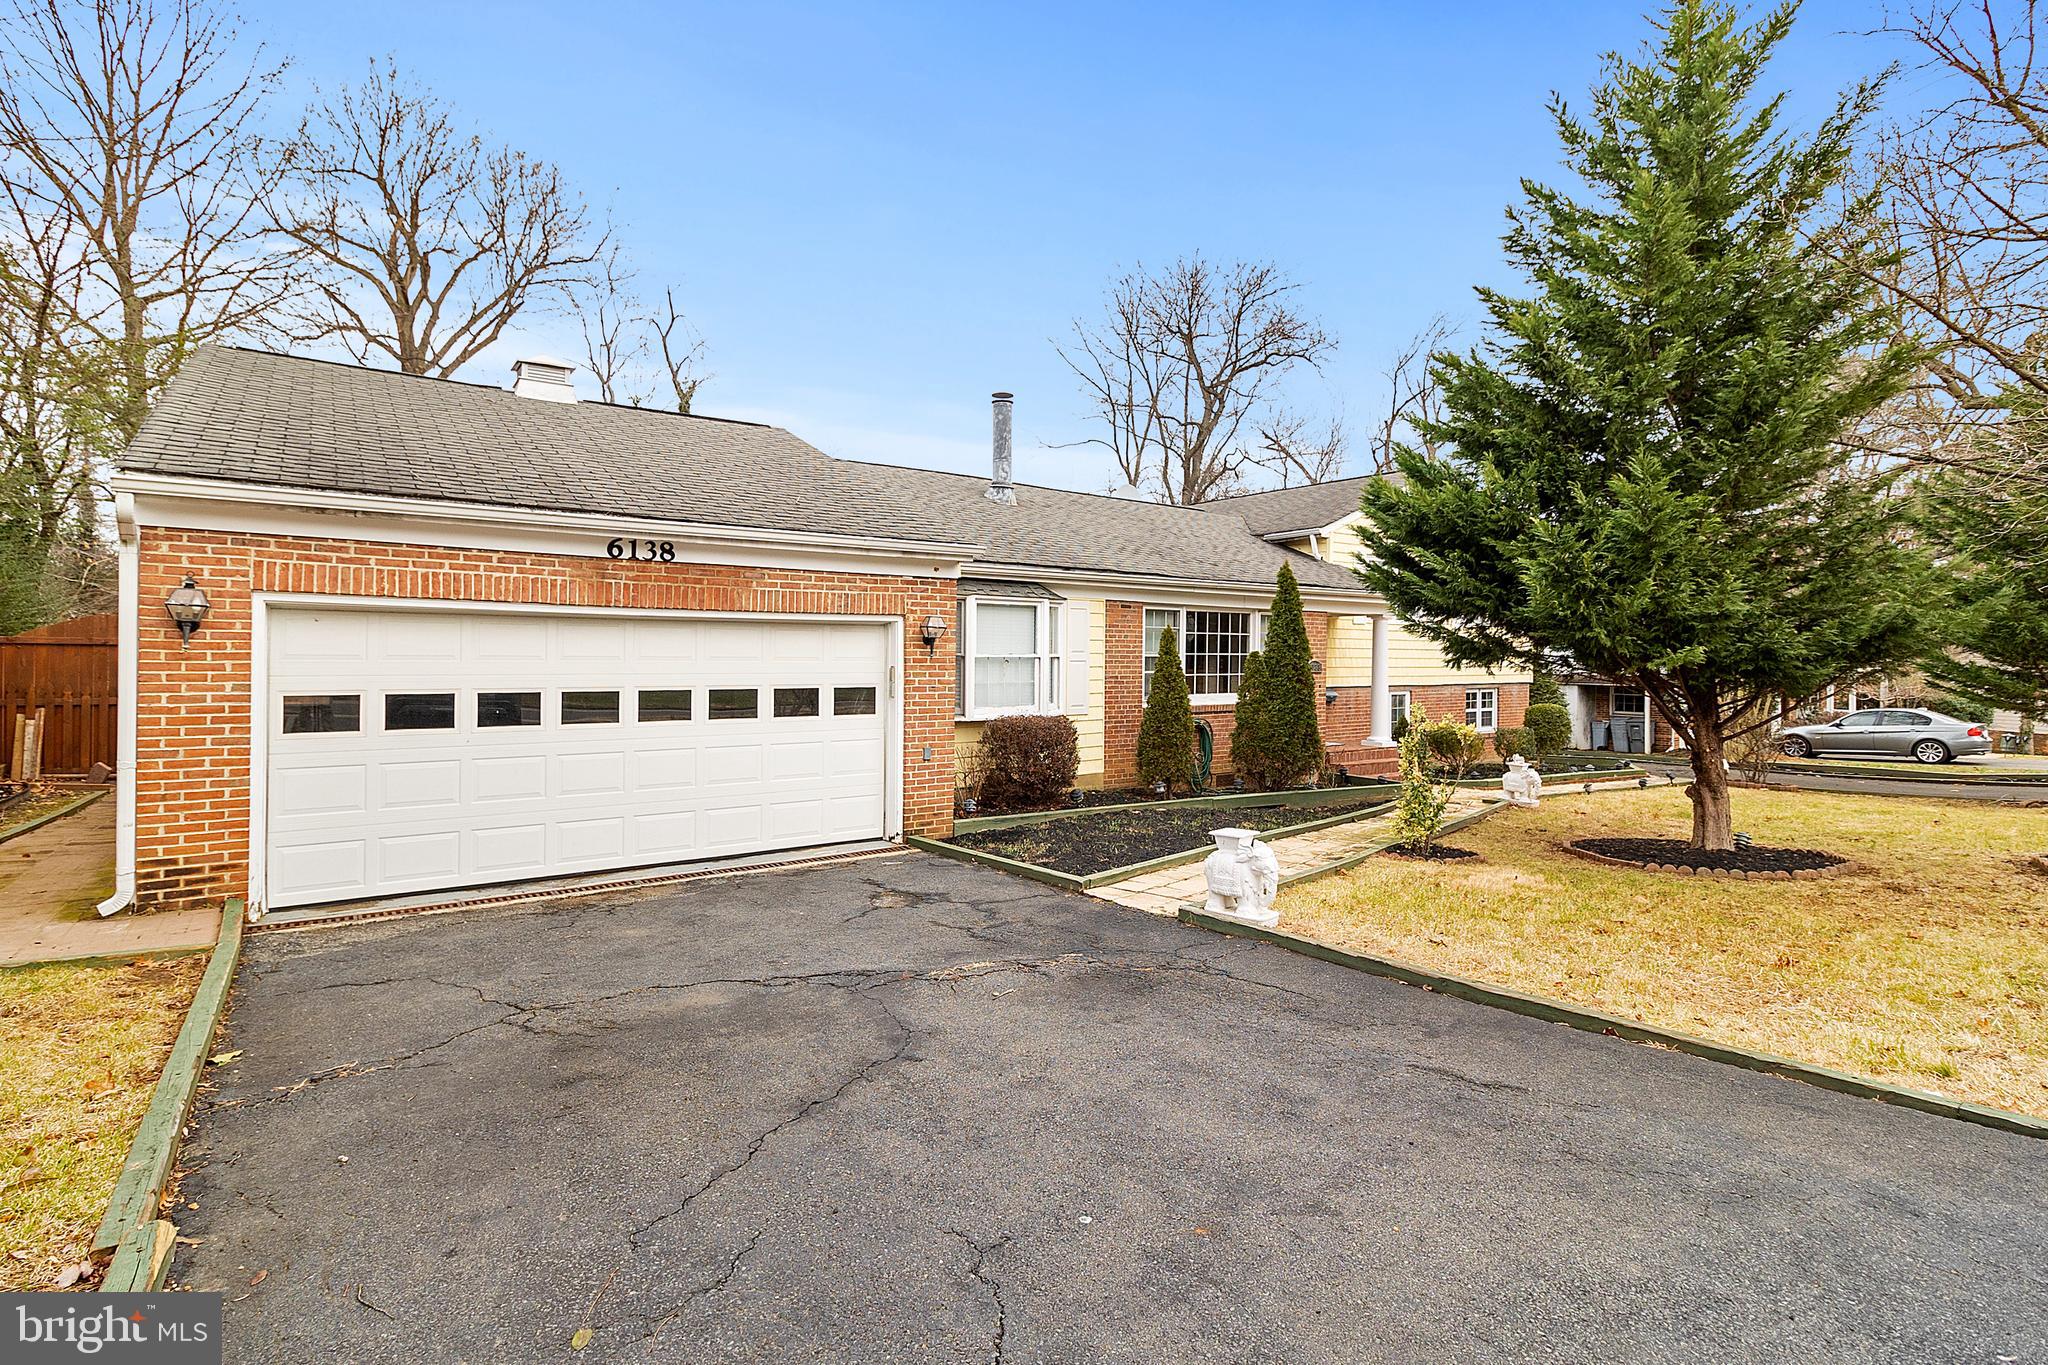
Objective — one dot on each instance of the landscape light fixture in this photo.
(187, 606)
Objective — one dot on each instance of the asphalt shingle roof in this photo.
(1308, 507)
(254, 417)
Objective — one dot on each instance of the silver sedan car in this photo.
(1891, 732)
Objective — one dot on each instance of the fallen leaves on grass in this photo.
(1924, 964)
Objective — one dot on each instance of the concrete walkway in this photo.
(1164, 892)
(52, 878)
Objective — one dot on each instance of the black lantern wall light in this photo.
(187, 606)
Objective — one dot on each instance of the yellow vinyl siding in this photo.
(1411, 660)
(1087, 728)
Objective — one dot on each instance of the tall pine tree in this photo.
(1646, 476)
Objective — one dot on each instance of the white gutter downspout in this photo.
(127, 659)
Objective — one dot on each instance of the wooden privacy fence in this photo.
(67, 671)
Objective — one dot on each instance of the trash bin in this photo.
(1630, 737)
(1599, 734)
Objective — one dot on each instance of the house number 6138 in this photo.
(663, 550)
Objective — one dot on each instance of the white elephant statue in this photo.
(1522, 784)
(1243, 878)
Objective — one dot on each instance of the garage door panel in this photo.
(668, 834)
(663, 770)
(500, 639)
(353, 813)
(322, 870)
(845, 816)
(592, 774)
(420, 857)
(725, 826)
(510, 850)
(337, 789)
(421, 786)
(794, 760)
(419, 639)
(726, 764)
(796, 821)
(583, 840)
(511, 779)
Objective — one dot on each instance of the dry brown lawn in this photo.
(1924, 965)
(81, 1045)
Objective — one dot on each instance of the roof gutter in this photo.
(1358, 601)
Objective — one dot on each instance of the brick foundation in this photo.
(193, 720)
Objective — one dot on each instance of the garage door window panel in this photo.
(734, 703)
(419, 711)
(794, 702)
(330, 714)
(853, 701)
(664, 704)
(590, 708)
(502, 710)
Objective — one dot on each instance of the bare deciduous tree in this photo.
(1412, 398)
(1185, 364)
(426, 242)
(1302, 452)
(681, 350)
(128, 121)
(1967, 191)
(613, 344)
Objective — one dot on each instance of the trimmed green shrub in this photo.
(1027, 760)
(1510, 740)
(1976, 712)
(1166, 736)
(1286, 743)
(1452, 745)
(1549, 727)
(1249, 722)
(1545, 691)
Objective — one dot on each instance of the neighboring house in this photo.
(460, 635)
(1322, 520)
(1610, 715)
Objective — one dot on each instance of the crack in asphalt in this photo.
(978, 1272)
(860, 980)
(710, 1286)
(905, 1037)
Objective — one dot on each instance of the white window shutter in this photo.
(1077, 637)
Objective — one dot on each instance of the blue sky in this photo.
(875, 215)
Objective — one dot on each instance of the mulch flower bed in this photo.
(1087, 844)
(1676, 855)
(1441, 853)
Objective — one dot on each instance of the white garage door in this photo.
(415, 750)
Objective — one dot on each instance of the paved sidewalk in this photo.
(1164, 892)
(52, 878)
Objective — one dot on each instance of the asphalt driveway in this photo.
(907, 1109)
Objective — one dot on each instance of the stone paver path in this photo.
(52, 878)
(1165, 891)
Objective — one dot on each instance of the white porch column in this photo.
(1382, 699)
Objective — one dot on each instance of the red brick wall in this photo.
(1124, 692)
(192, 724)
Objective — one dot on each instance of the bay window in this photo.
(1010, 660)
(1213, 646)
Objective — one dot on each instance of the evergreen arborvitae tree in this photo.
(1166, 736)
(1645, 474)
(1247, 748)
(1995, 533)
(1545, 690)
(1290, 743)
